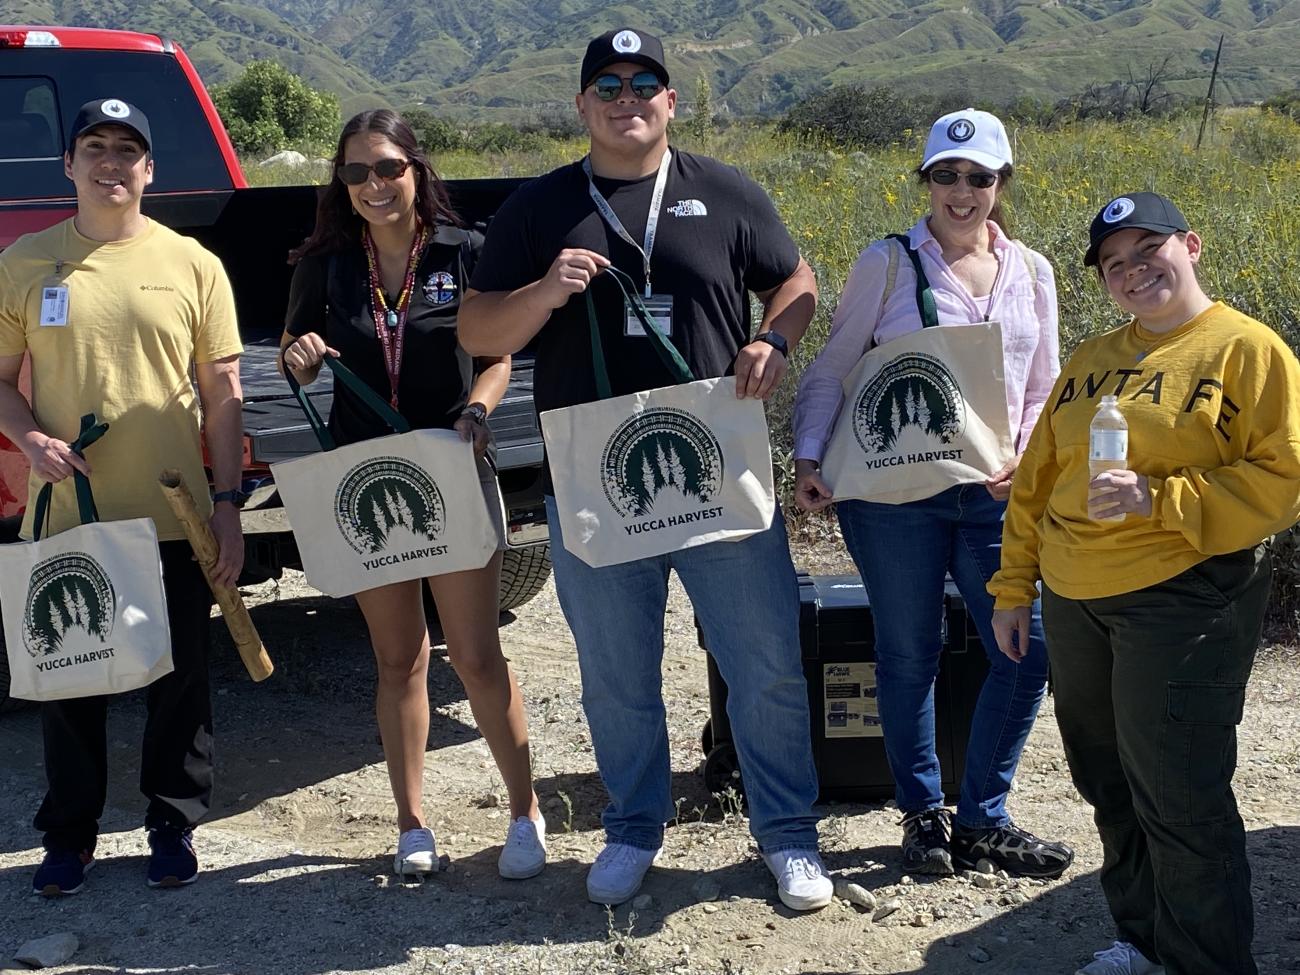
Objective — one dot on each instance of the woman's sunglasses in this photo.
(644, 84)
(977, 180)
(354, 174)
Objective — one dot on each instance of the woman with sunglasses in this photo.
(378, 284)
(904, 551)
(1155, 577)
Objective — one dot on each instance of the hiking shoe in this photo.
(62, 872)
(926, 839)
(1015, 850)
(617, 873)
(416, 853)
(801, 879)
(1121, 958)
(172, 862)
(524, 854)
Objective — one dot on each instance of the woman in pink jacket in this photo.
(904, 551)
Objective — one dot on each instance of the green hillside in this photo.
(509, 58)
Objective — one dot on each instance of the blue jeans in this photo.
(747, 601)
(903, 552)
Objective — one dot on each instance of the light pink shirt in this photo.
(1027, 313)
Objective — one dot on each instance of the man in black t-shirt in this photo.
(699, 236)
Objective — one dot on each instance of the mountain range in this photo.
(511, 59)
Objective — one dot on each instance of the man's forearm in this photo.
(496, 323)
(223, 423)
(16, 419)
(788, 308)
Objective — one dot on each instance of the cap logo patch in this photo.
(961, 130)
(115, 109)
(1118, 210)
(627, 42)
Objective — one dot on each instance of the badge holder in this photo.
(658, 308)
(54, 299)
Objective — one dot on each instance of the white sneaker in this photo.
(617, 873)
(800, 879)
(524, 854)
(1121, 958)
(416, 853)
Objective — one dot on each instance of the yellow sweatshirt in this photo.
(1213, 412)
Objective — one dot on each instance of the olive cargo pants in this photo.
(1150, 686)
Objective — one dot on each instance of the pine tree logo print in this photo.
(388, 504)
(71, 606)
(912, 405)
(662, 460)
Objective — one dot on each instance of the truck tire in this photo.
(524, 572)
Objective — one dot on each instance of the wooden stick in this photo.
(233, 611)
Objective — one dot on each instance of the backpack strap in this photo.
(924, 294)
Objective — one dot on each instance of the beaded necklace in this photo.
(390, 323)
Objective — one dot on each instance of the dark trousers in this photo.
(176, 763)
(1150, 686)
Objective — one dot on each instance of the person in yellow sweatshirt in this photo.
(1155, 576)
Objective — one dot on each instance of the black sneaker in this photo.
(62, 872)
(1015, 850)
(926, 841)
(172, 862)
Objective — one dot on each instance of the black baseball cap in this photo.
(111, 111)
(623, 44)
(1144, 211)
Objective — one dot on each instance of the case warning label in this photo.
(849, 699)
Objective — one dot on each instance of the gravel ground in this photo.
(297, 853)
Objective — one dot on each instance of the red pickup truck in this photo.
(46, 73)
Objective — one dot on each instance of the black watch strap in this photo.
(777, 341)
(476, 411)
(236, 497)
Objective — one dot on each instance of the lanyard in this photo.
(390, 323)
(651, 221)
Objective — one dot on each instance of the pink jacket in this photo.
(1027, 312)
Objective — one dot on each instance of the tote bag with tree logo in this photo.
(922, 412)
(84, 610)
(390, 509)
(657, 471)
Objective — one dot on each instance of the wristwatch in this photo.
(236, 497)
(476, 412)
(776, 340)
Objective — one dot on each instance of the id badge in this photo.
(659, 308)
(54, 304)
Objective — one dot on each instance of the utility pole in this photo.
(1209, 95)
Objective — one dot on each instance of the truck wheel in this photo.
(722, 770)
(524, 572)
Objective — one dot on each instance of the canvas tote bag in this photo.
(385, 510)
(658, 471)
(84, 610)
(922, 412)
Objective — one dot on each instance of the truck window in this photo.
(42, 88)
(29, 119)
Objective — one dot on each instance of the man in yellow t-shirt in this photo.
(114, 310)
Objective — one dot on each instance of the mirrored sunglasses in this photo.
(645, 85)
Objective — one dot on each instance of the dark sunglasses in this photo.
(354, 174)
(644, 84)
(977, 180)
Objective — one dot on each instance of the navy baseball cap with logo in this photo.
(1143, 211)
(111, 111)
(624, 44)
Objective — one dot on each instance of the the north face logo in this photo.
(388, 504)
(71, 606)
(662, 460)
(688, 208)
(913, 405)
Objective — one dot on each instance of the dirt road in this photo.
(297, 854)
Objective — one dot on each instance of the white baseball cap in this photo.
(968, 134)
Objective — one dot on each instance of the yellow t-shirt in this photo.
(141, 311)
(1213, 412)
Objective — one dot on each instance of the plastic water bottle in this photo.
(1107, 443)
